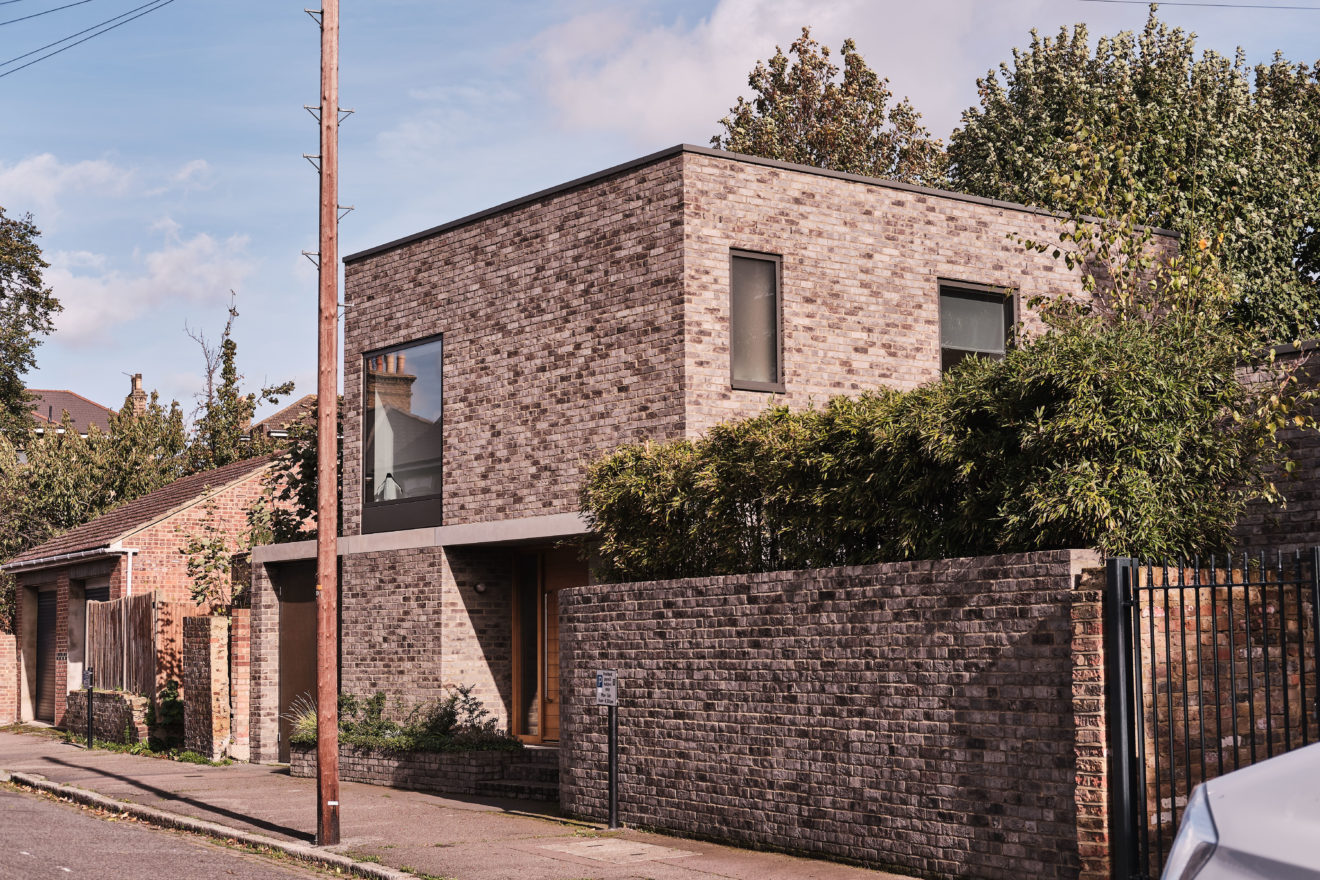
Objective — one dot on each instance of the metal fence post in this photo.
(1119, 710)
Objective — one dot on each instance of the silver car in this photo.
(1258, 823)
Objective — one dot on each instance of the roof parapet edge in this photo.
(670, 152)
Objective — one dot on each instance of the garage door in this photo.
(46, 605)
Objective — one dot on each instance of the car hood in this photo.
(1268, 817)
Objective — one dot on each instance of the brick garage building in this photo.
(132, 550)
(490, 359)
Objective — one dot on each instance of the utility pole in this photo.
(327, 467)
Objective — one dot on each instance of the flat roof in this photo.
(680, 149)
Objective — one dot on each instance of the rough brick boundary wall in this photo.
(927, 716)
(206, 685)
(117, 716)
(240, 682)
(8, 678)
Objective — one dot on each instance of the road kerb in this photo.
(163, 819)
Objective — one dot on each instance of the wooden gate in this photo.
(121, 644)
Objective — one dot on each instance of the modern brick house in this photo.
(489, 359)
(131, 550)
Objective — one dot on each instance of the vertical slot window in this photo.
(755, 328)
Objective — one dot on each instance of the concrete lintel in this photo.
(505, 531)
(512, 531)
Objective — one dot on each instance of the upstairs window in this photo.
(974, 320)
(755, 325)
(403, 452)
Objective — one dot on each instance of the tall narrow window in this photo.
(403, 452)
(973, 322)
(754, 322)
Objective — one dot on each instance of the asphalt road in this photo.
(42, 839)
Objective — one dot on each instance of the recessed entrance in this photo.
(538, 578)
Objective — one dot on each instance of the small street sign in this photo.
(607, 687)
(87, 677)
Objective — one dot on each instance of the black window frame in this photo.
(751, 384)
(401, 513)
(985, 293)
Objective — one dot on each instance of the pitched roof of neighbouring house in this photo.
(123, 521)
(281, 420)
(51, 405)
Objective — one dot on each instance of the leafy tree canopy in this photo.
(803, 113)
(26, 309)
(1211, 147)
(222, 433)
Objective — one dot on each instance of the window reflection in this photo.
(403, 454)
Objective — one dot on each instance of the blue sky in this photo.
(163, 161)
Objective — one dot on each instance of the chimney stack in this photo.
(137, 397)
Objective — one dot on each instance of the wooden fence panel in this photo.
(169, 640)
(105, 643)
(140, 644)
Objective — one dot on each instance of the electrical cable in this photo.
(1213, 5)
(158, 5)
(45, 12)
(71, 36)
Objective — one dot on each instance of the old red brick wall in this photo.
(8, 678)
(240, 682)
(928, 716)
(206, 719)
(160, 566)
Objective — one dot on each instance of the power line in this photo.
(1211, 5)
(157, 5)
(45, 12)
(71, 36)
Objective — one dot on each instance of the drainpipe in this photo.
(128, 576)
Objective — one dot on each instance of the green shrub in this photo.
(458, 722)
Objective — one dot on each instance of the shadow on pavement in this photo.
(201, 805)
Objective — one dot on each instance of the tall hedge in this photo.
(1134, 436)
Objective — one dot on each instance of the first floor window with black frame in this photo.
(974, 320)
(755, 325)
(403, 452)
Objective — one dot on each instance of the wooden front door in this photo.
(536, 639)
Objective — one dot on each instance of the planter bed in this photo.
(485, 773)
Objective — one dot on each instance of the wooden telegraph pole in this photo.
(327, 468)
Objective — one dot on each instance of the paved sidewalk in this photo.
(444, 837)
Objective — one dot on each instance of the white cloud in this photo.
(658, 84)
(199, 269)
(38, 183)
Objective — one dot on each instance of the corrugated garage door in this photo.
(46, 605)
(98, 594)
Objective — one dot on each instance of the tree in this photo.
(26, 309)
(802, 113)
(1212, 148)
(287, 509)
(222, 431)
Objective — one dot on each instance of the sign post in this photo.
(607, 694)
(87, 683)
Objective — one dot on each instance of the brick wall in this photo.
(1295, 523)
(8, 678)
(469, 773)
(160, 566)
(930, 716)
(116, 716)
(240, 682)
(413, 623)
(206, 722)
(562, 323)
(264, 672)
(598, 315)
(861, 270)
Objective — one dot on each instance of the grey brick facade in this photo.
(597, 314)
